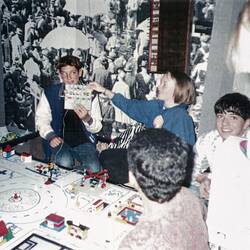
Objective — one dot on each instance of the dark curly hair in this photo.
(158, 159)
(69, 61)
(235, 103)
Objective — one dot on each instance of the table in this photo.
(70, 213)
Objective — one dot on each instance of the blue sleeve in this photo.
(187, 132)
(139, 110)
(181, 124)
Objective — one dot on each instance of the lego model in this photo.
(40, 168)
(8, 151)
(5, 233)
(25, 157)
(51, 167)
(80, 232)
(95, 178)
(54, 222)
(98, 205)
(16, 197)
(9, 137)
(135, 202)
(46, 170)
(130, 215)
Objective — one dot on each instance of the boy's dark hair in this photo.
(69, 61)
(235, 103)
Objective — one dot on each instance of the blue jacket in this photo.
(176, 119)
(56, 103)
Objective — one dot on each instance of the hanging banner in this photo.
(154, 35)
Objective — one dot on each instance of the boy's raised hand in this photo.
(82, 113)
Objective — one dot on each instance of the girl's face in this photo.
(229, 124)
(165, 90)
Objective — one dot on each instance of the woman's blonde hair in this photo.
(243, 21)
(185, 89)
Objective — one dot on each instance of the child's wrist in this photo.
(88, 119)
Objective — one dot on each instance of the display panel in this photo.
(170, 29)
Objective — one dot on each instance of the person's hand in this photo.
(82, 113)
(99, 88)
(100, 146)
(96, 86)
(205, 183)
(158, 121)
(56, 141)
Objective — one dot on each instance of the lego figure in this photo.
(104, 178)
(50, 170)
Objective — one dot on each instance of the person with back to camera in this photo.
(232, 119)
(172, 216)
(174, 95)
(68, 134)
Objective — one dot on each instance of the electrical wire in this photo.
(62, 136)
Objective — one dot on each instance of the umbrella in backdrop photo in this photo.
(88, 8)
(65, 38)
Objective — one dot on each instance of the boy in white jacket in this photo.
(69, 134)
(232, 119)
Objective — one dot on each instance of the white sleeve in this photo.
(200, 158)
(43, 117)
(95, 113)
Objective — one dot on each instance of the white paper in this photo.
(76, 94)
